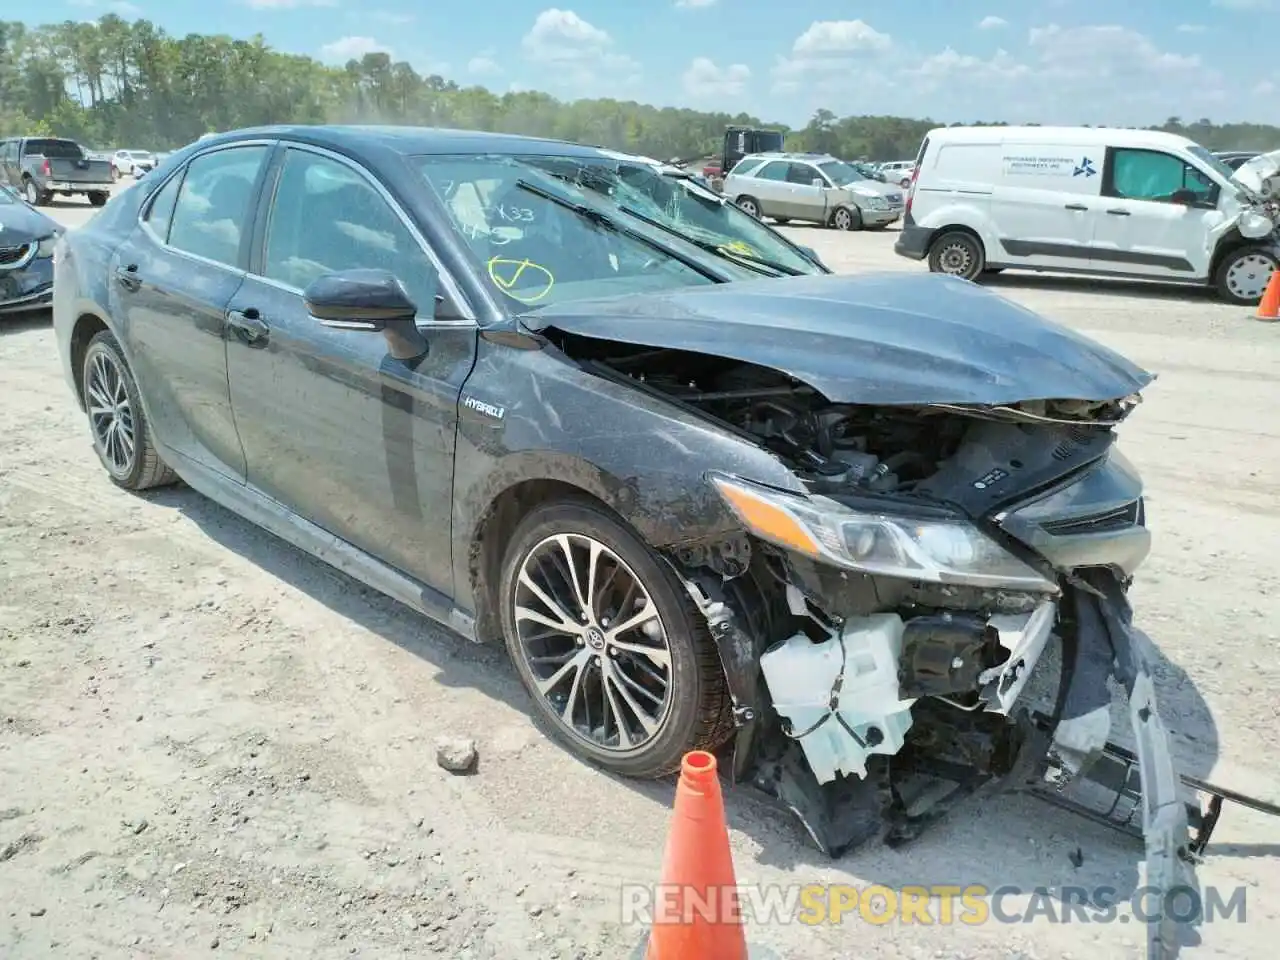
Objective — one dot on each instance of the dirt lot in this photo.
(209, 742)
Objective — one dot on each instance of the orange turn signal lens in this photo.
(766, 519)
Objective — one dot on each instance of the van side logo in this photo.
(1085, 169)
(488, 409)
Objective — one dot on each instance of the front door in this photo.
(332, 426)
(1158, 213)
(772, 190)
(807, 201)
(171, 282)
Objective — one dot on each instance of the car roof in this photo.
(409, 141)
(1084, 136)
(789, 155)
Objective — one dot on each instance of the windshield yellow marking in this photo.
(737, 246)
(507, 279)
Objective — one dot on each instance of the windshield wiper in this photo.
(711, 246)
(591, 215)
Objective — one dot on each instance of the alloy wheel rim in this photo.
(594, 642)
(748, 207)
(1247, 278)
(32, 194)
(956, 258)
(111, 413)
(844, 219)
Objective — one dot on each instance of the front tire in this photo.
(957, 254)
(121, 434)
(749, 205)
(847, 218)
(1243, 275)
(617, 659)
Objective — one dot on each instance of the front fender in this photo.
(535, 415)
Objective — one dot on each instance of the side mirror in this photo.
(818, 182)
(372, 300)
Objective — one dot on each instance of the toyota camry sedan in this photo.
(706, 493)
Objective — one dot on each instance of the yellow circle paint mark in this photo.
(737, 246)
(506, 274)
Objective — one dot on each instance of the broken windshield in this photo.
(584, 229)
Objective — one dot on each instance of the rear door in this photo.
(333, 427)
(772, 188)
(173, 280)
(1157, 215)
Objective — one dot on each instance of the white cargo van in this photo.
(1125, 203)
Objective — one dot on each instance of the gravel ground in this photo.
(210, 742)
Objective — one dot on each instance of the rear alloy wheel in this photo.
(749, 206)
(847, 218)
(1243, 275)
(121, 434)
(957, 254)
(32, 192)
(608, 644)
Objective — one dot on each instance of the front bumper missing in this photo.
(1065, 758)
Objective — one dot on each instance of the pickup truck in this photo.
(40, 167)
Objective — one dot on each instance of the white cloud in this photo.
(703, 79)
(992, 23)
(581, 54)
(694, 4)
(352, 48)
(1191, 28)
(288, 4)
(829, 53)
(483, 64)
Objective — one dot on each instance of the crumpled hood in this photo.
(875, 339)
(21, 224)
(1261, 174)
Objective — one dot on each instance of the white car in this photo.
(131, 162)
(1125, 203)
(811, 187)
(898, 171)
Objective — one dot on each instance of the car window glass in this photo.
(774, 170)
(802, 173)
(1151, 175)
(327, 217)
(213, 203)
(747, 168)
(160, 214)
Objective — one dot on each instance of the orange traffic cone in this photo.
(1269, 306)
(696, 915)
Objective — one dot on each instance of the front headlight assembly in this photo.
(934, 550)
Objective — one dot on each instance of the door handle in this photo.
(248, 325)
(128, 278)
(1118, 213)
(1076, 206)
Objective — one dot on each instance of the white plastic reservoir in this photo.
(801, 674)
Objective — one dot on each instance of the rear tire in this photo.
(693, 708)
(98, 198)
(118, 424)
(1242, 276)
(781, 221)
(957, 254)
(33, 194)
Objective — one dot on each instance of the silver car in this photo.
(813, 187)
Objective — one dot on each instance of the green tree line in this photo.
(116, 83)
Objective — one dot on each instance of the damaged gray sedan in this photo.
(869, 535)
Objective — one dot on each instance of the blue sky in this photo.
(1047, 61)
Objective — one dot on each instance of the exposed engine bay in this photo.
(882, 677)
